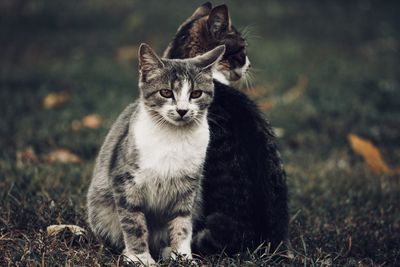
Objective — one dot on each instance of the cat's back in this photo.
(236, 110)
(102, 215)
(244, 178)
(238, 134)
(113, 143)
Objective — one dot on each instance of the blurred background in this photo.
(326, 74)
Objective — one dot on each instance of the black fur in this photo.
(244, 188)
(181, 38)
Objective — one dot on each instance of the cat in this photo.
(146, 185)
(245, 200)
(206, 28)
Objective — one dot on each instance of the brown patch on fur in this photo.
(198, 38)
(194, 37)
(224, 64)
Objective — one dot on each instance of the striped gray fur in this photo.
(146, 186)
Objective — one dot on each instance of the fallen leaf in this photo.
(63, 155)
(53, 230)
(76, 125)
(371, 155)
(55, 100)
(127, 53)
(92, 121)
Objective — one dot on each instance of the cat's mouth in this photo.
(232, 76)
(237, 74)
(180, 121)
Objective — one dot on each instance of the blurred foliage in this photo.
(337, 61)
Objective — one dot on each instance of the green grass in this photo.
(341, 212)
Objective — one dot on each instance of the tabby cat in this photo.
(146, 186)
(244, 185)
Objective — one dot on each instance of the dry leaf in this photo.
(63, 155)
(127, 53)
(92, 121)
(291, 95)
(53, 230)
(55, 100)
(371, 155)
(76, 125)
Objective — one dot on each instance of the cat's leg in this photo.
(129, 202)
(135, 234)
(181, 225)
(180, 232)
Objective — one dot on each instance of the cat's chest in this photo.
(168, 154)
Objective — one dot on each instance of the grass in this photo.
(324, 70)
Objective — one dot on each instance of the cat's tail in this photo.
(219, 234)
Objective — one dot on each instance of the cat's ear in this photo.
(149, 62)
(201, 11)
(208, 60)
(218, 21)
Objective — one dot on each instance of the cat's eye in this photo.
(196, 94)
(166, 93)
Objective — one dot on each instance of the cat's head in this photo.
(177, 91)
(206, 29)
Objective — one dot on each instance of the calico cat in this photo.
(244, 185)
(146, 186)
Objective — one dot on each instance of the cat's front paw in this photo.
(183, 254)
(144, 259)
(185, 250)
(168, 253)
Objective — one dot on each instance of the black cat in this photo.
(245, 192)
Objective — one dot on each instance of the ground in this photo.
(322, 70)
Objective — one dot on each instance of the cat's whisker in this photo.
(250, 78)
(197, 121)
(159, 120)
(246, 81)
(249, 32)
(245, 31)
(253, 69)
(216, 123)
(214, 115)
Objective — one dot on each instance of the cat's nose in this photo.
(182, 112)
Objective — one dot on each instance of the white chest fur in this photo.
(166, 152)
